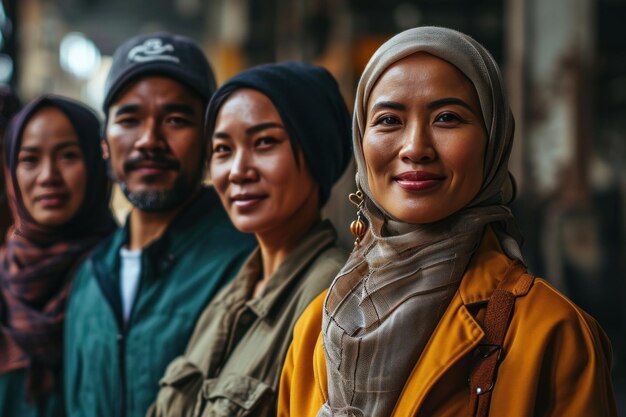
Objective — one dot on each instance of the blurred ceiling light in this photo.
(6, 68)
(79, 56)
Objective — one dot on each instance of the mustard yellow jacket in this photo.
(557, 358)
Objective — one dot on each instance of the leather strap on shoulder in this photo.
(516, 283)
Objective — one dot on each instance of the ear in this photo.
(105, 149)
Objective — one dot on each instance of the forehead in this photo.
(48, 121)
(155, 89)
(422, 76)
(247, 106)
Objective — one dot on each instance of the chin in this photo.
(244, 226)
(52, 221)
(249, 225)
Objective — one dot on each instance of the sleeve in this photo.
(301, 385)
(557, 361)
(71, 355)
(284, 388)
(578, 382)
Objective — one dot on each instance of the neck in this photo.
(145, 226)
(276, 244)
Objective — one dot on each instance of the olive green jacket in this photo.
(232, 364)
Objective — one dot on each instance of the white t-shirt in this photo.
(130, 271)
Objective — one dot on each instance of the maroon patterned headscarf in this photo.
(37, 261)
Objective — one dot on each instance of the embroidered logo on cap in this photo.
(152, 50)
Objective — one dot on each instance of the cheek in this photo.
(219, 172)
(290, 181)
(378, 152)
(117, 155)
(467, 163)
(76, 179)
(192, 156)
(25, 180)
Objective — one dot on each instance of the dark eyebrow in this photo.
(57, 147)
(251, 130)
(263, 126)
(432, 105)
(449, 101)
(394, 105)
(126, 109)
(180, 108)
(169, 108)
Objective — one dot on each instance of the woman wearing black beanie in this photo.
(279, 138)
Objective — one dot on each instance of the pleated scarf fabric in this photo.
(385, 303)
(37, 262)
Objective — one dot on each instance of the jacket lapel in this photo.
(458, 333)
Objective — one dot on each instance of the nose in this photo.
(152, 137)
(49, 173)
(242, 169)
(418, 144)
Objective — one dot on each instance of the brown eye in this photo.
(27, 159)
(220, 148)
(387, 121)
(127, 121)
(178, 121)
(266, 142)
(448, 118)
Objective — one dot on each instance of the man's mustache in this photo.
(161, 161)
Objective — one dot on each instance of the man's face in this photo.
(155, 143)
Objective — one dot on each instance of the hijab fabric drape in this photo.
(385, 303)
(37, 261)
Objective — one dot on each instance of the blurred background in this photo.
(564, 62)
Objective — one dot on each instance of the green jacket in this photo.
(112, 369)
(13, 402)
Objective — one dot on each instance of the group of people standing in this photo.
(235, 299)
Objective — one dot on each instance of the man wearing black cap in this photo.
(136, 298)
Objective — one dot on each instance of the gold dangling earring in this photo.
(357, 227)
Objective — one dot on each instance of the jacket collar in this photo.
(321, 236)
(458, 332)
(164, 250)
(161, 253)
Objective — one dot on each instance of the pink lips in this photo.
(51, 200)
(149, 168)
(247, 201)
(418, 180)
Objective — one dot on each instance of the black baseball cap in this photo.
(161, 53)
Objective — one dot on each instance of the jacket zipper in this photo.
(121, 360)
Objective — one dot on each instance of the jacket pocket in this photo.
(179, 389)
(232, 395)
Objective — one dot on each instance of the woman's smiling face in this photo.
(424, 141)
(253, 167)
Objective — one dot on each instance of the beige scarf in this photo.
(385, 303)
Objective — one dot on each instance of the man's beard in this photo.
(158, 201)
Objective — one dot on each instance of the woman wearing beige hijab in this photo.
(434, 313)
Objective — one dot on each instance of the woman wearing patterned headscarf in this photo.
(280, 138)
(58, 192)
(435, 301)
